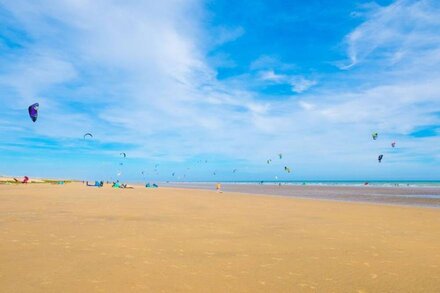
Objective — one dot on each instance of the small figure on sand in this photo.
(96, 184)
(24, 181)
(218, 188)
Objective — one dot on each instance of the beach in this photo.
(73, 238)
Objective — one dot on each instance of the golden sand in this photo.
(74, 238)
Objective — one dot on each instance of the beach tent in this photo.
(154, 185)
(96, 184)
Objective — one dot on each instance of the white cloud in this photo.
(299, 83)
(270, 75)
(306, 106)
(224, 35)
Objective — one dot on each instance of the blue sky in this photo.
(233, 83)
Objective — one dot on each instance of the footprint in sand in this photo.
(373, 276)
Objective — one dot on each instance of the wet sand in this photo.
(74, 238)
(411, 196)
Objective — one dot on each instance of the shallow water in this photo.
(395, 195)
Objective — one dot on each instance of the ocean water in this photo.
(376, 183)
(414, 193)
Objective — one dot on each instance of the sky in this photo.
(198, 88)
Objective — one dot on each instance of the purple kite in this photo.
(33, 111)
(380, 158)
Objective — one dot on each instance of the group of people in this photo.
(117, 184)
(24, 181)
(96, 184)
(120, 185)
(154, 185)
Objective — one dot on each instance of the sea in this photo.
(408, 193)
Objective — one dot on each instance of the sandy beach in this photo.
(73, 238)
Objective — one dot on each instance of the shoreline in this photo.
(408, 196)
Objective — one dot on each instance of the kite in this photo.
(123, 154)
(268, 161)
(287, 169)
(87, 134)
(280, 156)
(393, 144)
(380, 158)
(374, 135)
(33, 111)
(235, 170)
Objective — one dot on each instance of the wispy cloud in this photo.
(298, 83)
(392, 32)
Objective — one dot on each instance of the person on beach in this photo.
(218, 187)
